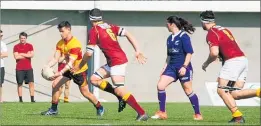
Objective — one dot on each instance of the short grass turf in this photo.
(83, 113)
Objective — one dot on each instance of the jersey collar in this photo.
(66, 42)
(173, 36)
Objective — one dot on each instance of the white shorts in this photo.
(116, 70)
(234, 69)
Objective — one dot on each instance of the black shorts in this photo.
(2, 75)
(24, 76)
(79, 78)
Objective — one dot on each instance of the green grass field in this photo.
(84, 114)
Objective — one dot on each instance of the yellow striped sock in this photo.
(66, 99)
(103, 84)
(126, 96)
(237, 114)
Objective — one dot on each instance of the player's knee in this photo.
(94, 80)
(161, 87)
(220, 91)
(235, 95)
(188, 91)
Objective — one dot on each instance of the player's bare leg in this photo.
(163, 83)
(61, 91)
(87, 94)
(66, 91)
(31, 89)
(187, 87)
(229, 101)
(57, 83)
(245, 93)
(98, 80)
(118, 83)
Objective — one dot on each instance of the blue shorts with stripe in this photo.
(173, 72)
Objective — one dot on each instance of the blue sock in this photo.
(162, 100)
(194, 102)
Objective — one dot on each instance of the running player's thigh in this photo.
(232, 69)
(84, 88)
(59, 81)
(186, 80)
(168, 76)
(242, 78)
(118, 79)
(102, 73)
(117, 73)
(222, 82)
(164, 81)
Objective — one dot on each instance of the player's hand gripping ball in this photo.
(47, 73)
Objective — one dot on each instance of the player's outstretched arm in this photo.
(139, 56)
(213, 55)
(87, 55)
(132, 40)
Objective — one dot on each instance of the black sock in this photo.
(110, 89)
(54, 106)
(20, 99)
(32, 99)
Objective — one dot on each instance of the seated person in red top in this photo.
(23, 52)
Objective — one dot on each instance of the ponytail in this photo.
(181, 24)
(186, 26)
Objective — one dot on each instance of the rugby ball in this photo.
(47, 72)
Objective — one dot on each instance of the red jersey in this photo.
(223, 38)
(23, 64)
(105, 36)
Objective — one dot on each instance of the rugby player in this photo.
(233, 73)
(105, 35)
(71, 48)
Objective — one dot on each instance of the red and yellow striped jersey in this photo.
(72, 49)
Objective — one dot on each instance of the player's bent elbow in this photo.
(214, 53)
